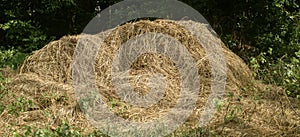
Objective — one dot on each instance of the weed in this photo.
(20, 105)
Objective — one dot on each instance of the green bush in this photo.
(282, 72)
(5, 56)
(22, 35)
(11, 58)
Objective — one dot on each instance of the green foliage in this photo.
(64, 130)
(290, 75)
(113, 103)
(218, 104)
(198, 132)
(22, 35)
(260, 23)
(5, 56)
(97, 134)
(20, 105)
(29, 25)
(280, 28)
(282, 72)
(11, 58)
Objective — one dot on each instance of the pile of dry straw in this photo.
(249, 107)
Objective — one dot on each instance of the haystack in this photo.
(46, 79)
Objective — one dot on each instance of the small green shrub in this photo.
(11, 58)
(5, 56)
(281, 72)
(20, 105)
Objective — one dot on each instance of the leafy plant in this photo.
(282, 72)
(113, 103)
(20, 105)
(64, 130)
(11, 58)
(23, 36)
(5, 56)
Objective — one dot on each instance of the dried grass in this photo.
(46, 79)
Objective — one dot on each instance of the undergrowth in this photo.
(282, 72)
